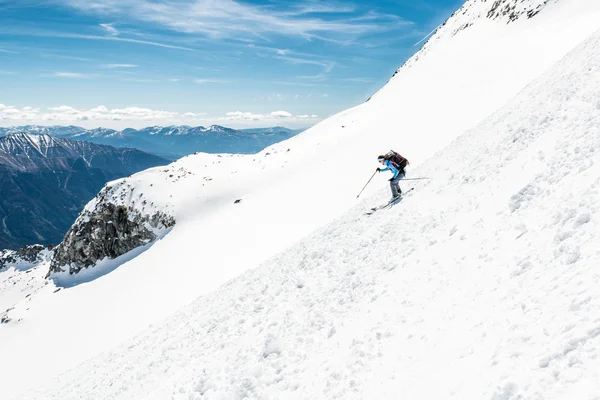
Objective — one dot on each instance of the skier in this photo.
(396, 163)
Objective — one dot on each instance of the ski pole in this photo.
(366, 184)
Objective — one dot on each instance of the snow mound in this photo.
(483, 280)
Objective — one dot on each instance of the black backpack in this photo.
(397, 160)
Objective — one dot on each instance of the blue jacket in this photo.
(389, 166)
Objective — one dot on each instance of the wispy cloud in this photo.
(66, 57)
(67, 35)
(281, 52)
(326, 65)
(291, 83)
(362, 80)
(114, 66)
(313, 7)
(8, 51)
(110, 29)
(70, 75)
(203, 81)
(230, 18)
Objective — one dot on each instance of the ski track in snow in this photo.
(480, 285)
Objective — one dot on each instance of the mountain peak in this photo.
(171, 141)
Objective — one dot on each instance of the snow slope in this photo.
(286, 195)
(481, 284)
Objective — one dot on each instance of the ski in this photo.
(389, 204)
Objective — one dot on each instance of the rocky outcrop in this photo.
(25, 257)
(110, 226)
(513, 9)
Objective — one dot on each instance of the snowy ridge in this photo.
(478, 12)
(174, 141)
(58, 131)
(485, 281)
(31, 152)
(23, 142)
(34, 147)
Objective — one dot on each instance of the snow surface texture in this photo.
(21, 276)
(492, 292)
(351, 311)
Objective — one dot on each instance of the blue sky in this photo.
(119, 63)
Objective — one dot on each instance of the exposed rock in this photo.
(26, 256)
(110, 226)
(513, 9)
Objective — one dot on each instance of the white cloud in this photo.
(99, 109)
(272, 116)
(69, 75)
(104, 116)
(305, 116)
(203, 81)
(237, 115)
(11, 113)
(110, 29)
(99, 113)
(113, 66)
(281, 114)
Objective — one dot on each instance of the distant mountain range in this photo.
(171, 142)
(45, 181)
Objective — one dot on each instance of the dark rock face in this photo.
(108, 230)
(26, 255)
(513, 9)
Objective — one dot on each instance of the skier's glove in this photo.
(378, 169)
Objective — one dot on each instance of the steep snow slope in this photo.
(287, 194)
(480, 285)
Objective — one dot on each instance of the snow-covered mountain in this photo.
(171, 141)
(273, 283)
(58, 131)
(45, 181)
